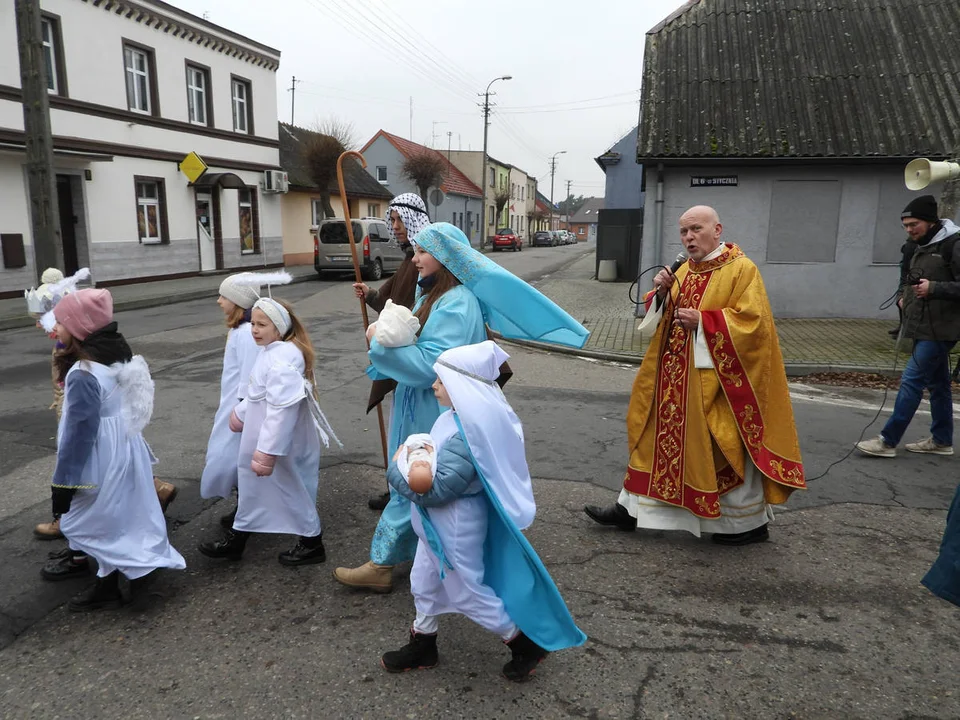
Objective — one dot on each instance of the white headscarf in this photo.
(412, 211)
(492, 429)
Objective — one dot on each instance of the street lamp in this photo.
(483, 178)
(553, 171)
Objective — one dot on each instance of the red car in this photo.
(506, 238)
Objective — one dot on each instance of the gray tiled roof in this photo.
(803, 79)
(588, 211)
(357, 181)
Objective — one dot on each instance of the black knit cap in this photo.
(922, 208)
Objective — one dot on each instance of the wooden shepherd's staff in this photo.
(356, 270)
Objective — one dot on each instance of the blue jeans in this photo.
(929, 368)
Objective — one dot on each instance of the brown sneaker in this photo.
(368, 576)
(48, 531)
(166, 493)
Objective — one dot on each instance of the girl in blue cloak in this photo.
(472, 557)
(460, 292)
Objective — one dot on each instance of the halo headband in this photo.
(276, 312)
(409, 207)
(472, 376)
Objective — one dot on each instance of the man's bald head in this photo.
(700, 231)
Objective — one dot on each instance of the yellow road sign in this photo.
(193, 167)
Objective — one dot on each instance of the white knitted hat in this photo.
(242, 294)
(51, 275)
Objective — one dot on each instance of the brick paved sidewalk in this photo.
(807, 344)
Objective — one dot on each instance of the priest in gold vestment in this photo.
(712, 440)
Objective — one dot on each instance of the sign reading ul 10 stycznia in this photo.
(713, 181)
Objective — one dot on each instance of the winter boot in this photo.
(230, 546)
(166, 493)
(226, 521)
(368, 576)
(526, 656)
(418, 654)
(104, 595)
(307, 551)
(65, 565)
(48, 531)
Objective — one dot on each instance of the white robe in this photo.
(277, 421)
(219, 477)
(118, 521)
(462, 527)
(742, 509)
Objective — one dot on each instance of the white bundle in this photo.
(396, 326)
(55, 292)
(280, 277)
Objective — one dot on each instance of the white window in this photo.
(493, 213)
(137, 67)
(197, 95)
(373, 210)
(240, 92)
(49, 53)
(248, 235)
(149, 211)
(316, 211)
(382, 173)
(493, 177)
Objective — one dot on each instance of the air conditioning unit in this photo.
(275, 181)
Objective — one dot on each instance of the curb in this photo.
(793, 369)
(22, 321)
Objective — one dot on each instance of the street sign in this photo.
(713, 181)
(193, 167)
(436, 196)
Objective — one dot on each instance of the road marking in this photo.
(817, 396)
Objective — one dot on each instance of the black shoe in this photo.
(230, 546)
(760, 534)
(615, 515)
(104, 595)
(526, 656)
(307, 551)
(418, 654)
(65, 565)
(226, 521)
(379, 502)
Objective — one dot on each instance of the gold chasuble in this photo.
(690, 429)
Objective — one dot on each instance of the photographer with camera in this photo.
(931, 318)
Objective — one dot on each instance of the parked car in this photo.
(541, 238)
(507, 238)
(377, 252)
(568, 238)
(557, 238)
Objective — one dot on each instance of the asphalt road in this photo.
(826, 620)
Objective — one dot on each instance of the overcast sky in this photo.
(576, 72)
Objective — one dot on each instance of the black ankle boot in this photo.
(307, 551)
(526, 656)
(760, 534)
(226, 521)
(230, 546)
(104, 595)
(379, 502)
(418, 654)
(615, 515)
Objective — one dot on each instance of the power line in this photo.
(569, 102)
(572, 109)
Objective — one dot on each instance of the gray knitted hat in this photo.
(240, 294)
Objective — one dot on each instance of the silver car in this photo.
(376, 251)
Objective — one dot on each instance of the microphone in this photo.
(678, 263)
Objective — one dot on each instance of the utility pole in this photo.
(433, 135)
(449, 140)
(553, 171)
(483, 178)
(44, 212)
(293, 95)
(569, 183)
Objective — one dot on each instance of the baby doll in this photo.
(417, 461)
(396, 326)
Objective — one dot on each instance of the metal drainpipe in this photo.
(658, 233)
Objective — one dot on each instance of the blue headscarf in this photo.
(510, 306)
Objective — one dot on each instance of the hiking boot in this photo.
(226, 521)
(368, 576)
(230, 546)
(615, 515)
(526, 656)
(379, 502)
(307, 551)
(104, 595)
(166, 493)
(418, 654)
(929, 446)
(66, 565)
(760, 534)
(48, 531)
(876, 447)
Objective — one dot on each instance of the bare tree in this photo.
(500, 199)
(425, 170)
(321, 149)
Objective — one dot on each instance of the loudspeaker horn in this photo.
(921, 172)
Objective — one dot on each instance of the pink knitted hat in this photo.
(84, 312)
